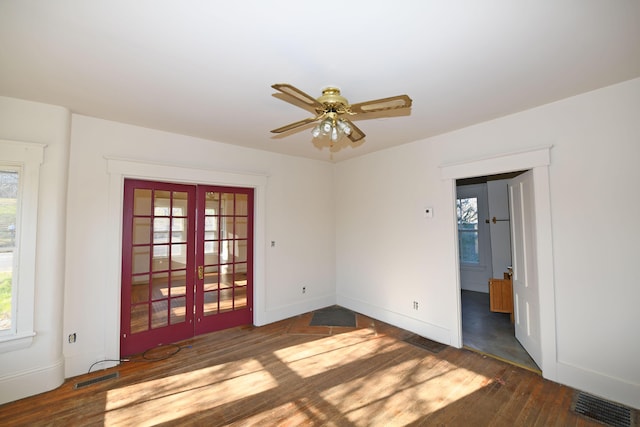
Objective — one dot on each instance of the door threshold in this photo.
(502, 359)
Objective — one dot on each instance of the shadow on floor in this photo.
(491, 333)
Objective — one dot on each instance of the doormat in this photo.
(426, 344)
(334, 316)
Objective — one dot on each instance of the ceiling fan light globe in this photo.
(344, 127)
(316, 131)
(327, 126)
(335, 135)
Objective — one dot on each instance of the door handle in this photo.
(200, 272)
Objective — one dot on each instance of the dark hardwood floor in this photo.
(292, 374)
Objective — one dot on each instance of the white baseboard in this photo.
(285, 312)
(424, 329)
(610, 388)
(33, 381)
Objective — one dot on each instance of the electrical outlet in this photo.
(304, 289)
(72, 338)
(415, 305)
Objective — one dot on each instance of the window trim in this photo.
(27, 157)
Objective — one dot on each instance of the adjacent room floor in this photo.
(491, 333)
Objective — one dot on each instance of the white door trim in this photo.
(538, 159)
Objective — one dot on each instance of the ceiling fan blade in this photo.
(309, 101)
(295, 125)
(356, 134)
(400, 101)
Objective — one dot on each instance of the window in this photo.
(19, 181)
(9, 184)
(467, 209)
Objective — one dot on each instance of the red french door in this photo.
(187, 263)
(224, 291)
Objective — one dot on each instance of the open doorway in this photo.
(537, 162)
(485, 262)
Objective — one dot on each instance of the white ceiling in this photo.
(204, 68)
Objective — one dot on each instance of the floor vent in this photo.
(96, 380)
(604, 411)
(426, 344)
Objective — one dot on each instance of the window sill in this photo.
(16, 342)
(473, 267)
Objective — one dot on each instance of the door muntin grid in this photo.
(159, 262)
(225, 252)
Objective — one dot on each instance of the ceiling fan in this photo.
(333, 110)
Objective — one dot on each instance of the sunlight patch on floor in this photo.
(162, 400)
(417, 389)
(318, 356)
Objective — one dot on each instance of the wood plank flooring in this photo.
(292, 374)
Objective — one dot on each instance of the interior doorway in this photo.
(485, 248)
(187, 261)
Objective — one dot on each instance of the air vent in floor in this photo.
(96, 380)
(604, 411)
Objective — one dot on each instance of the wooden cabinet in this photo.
(501, 295)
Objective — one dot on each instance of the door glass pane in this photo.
(141, 231)
(211, 253)
(140, 288)
(240, 275)
(226, 204)
(210, 227)
(179, 230)
(242, 205)
(160, 257)
(212, 203)
(240, 298)
(241, 228)
(226, 280)
(140, 260)
(161, 230)
(179, 256)
(179, 204)
(162, 203)
(142, 202)
(178, 310)
(210, 303)
(240, 251)
(159, 286)
(211, 278)
(178, 283)
(139, 318)
(159, 317)
(227, 228)
(226, 251)
(226, 299)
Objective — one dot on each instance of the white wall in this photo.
(294, 208)
(388, 255)
(40, 367)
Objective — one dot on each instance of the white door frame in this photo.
(119, 169)
(538, 160)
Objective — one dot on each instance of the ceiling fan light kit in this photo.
(329, 109)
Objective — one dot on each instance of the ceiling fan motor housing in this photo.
(333, 101)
